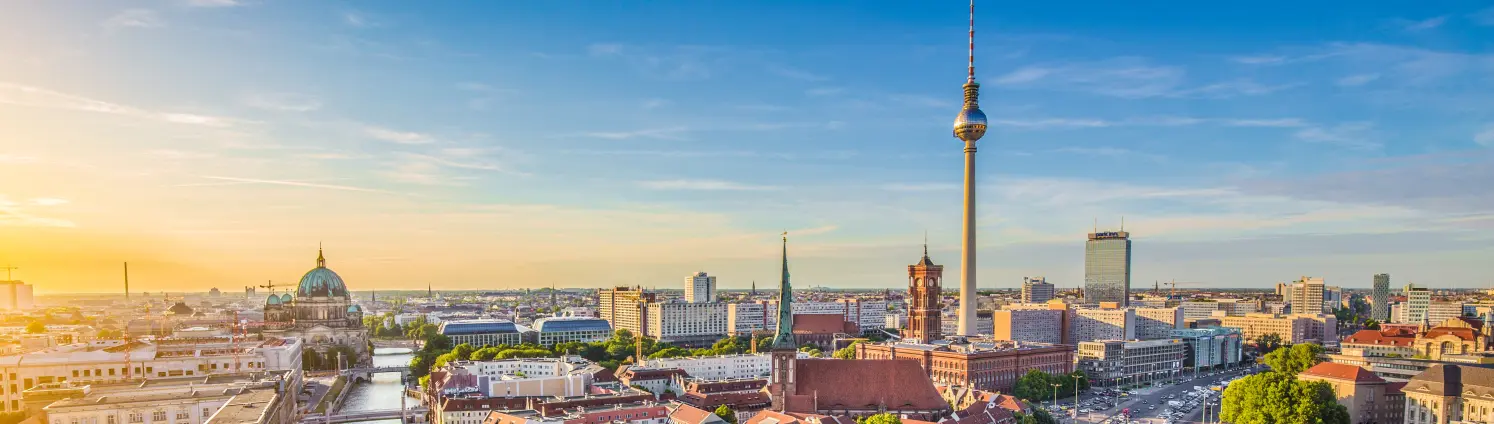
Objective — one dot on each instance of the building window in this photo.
(158, 416)
(136, 417)
(109, 419)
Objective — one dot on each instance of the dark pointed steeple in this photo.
(321, 261)
(784, 339)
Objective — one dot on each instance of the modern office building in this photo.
(1107, 268)
(1197, 309)
(1210, 348)
(1110, 363)
(684, 323)
(1036, 290)
(483, 332)
(1157, 323)
(1307, 296)
(1380, 298)
(625, 308)
(555, 330)
(1106, 322)
(700, 288)
(15, 295)
(1418, 301)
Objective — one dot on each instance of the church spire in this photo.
(321, 261)
(784, 339)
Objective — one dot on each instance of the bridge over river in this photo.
(413, 415)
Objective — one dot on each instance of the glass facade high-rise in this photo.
(1107, 268)
(1380, 298)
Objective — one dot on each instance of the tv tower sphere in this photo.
(970, 124)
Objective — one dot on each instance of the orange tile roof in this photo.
(1383, 338)
(1343, 372)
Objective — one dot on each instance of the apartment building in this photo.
(1103, 323)
(115, 361)
(683, 323)
(625, 308)
(1110, 363)
(1157, 323)
(1293, 328)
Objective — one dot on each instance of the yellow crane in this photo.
(1175, 283)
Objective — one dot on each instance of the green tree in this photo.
(1038, 416)
(1274, 397)
(420, 365)
(883, 418)
(726, 414)
(463, 351)
(437, 342)
(1295, 359)
(1035, 386)
(36, 327)
(485, 354)
(1267, 342)
(1370, 324)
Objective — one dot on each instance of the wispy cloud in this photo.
(359, 19)
(214, 3)
(669, 133)
(920, 100)
(1486, 137)
(287, 102)
(12, 214)
(1160, 121)
(134, 18)
(793, 73)
(1355, 135)
(1121, 77)
(30, 96)
(824, 91)
(655, 103)
(290, 184)
(48, 201)
(1052, 123)
(1112, 152)
(396, 136)
(670, 63)
(1421, 25)
(920, 186)
(1483, 17)
(173, 154)
(1357, 80)
(702, 185)
(1259, 60)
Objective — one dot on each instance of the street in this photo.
(1141, 404)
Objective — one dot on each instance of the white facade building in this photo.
(1157, 323)
(868, 315)
(1090, 324)
(564, 377)
(15, 296)
(106, 362)
(1041, 325)
(744, 318)
(1418, 301)
(182, 400)
(725, 367)
(681, 322)
(700, 288)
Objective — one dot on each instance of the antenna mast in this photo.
(971, 77)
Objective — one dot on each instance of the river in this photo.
(385, 391)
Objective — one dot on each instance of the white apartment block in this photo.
(1157, 323)
(1418, 302)
(1036, 290)
(564, 377)
(677, 322)
(1041, 325)
(625, 308)
(1307, 296)
(1090, 324)
(1238, 307)
(105, 362)
(181, 400)
(700, 288)
(744, 318)
(1294, 328)
(1436, 312)
(869, 315)
(1199, 309)
(725, 367)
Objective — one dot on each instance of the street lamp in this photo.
(1055, 397)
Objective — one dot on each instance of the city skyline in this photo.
(426, 145)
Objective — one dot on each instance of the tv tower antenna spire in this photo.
(971, 77)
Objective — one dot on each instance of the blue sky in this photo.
(504, 144)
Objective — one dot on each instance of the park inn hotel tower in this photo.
(1107, 268)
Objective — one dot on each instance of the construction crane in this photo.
(1175, 283)
(269, 285)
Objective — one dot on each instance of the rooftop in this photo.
(1344, 372)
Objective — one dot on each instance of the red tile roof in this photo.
(859, 384)
(690, 415)
(819, 324)
(1343, 372)
(1382, 338)
(1466, 334)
